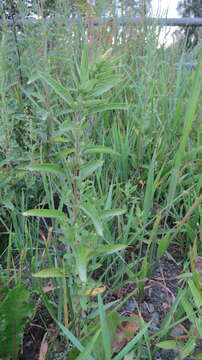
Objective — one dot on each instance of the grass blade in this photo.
(105, 330)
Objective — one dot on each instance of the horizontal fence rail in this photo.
(155, 21)
(119, 20)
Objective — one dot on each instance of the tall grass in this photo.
(155, 178)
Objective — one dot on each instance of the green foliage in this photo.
(100, 148)
(190, 8)
(15, 311)
(85, 243)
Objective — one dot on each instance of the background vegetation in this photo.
(191, 8)
(100, 177)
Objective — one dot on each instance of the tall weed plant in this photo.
(82, 241)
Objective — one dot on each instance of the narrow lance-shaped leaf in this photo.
(85, 354)
(60, 139)
(189, 309)
(47, 213)
(197, 295)
(104, 107)
(168, 345)
(65, 127)
(105, 214)
(88, 169)
(57, 87)
(148, 199)
(47, 168)
(105, 84)
(64, 153)
(188, 348)
(50, 273)
(90, 211)
(100, 149)
(163, 244)
(108, 203)
(108, 249)
(82, 256)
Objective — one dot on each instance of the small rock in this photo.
(130, 306)
(177, 331)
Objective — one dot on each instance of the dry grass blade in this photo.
(43, 348)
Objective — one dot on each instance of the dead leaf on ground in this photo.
(121, 292)
(130, 328)
(94, 292)
(49, 288)
(125, 332)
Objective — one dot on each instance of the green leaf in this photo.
(105, 214)
(104, 107)
(199, 326)
(100, 149)
(166, 323)
(168, 345)
(188, 348)
(87, 169)
(198, 356)
(82, 257)
(15, 310)
(50, 273)
(163, 244)
(186, 275)
(47, 213)
(64, 153)
(70, 336)
(143, 273)
(108, 203)
(148, 198)
(108, 249)
(60, 139)
(65, 127)
(90, 211)
(87, 86)
(105, 84)
(57, 87)
(33, 78)
(195, 293)
(105, 330)
(48, 168)
(188, 308)
(113, 321)
(85, 354)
